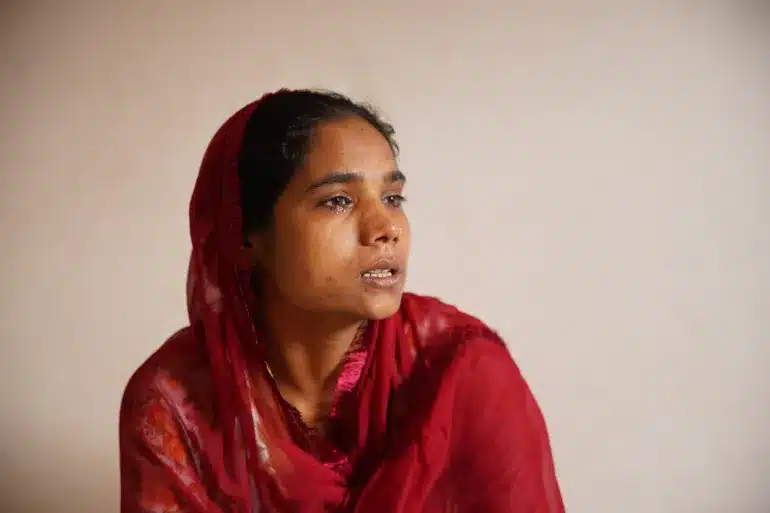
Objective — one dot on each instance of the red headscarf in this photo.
(432, 432)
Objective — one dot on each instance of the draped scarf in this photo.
(415, 402)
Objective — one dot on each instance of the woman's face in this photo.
(340, 239)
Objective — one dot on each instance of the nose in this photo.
(378, 227)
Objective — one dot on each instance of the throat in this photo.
(312, 412)
(306, 372)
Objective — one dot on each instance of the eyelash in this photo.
(395, 200)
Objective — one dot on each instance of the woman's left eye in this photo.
(395, 200)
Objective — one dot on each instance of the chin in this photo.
(382, 306)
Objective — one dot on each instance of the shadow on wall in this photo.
(756, 13)
(760, 8)
(58, 475)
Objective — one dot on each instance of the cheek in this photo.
(315, 256)
(333, 250)
(406, 233)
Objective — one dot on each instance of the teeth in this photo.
(378, 273)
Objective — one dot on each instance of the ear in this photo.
(255, 247)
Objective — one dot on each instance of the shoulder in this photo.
(464, 355)
(437, 324)
(460, 359)
(165, 428)
(173, 380)
(457, 346)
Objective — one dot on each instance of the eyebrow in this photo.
(342, 177)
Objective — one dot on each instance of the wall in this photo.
(592, 178)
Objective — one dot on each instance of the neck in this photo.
(305, 349)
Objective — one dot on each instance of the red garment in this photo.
(431, 413)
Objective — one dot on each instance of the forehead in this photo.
(349, 144)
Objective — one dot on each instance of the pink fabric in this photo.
(431, 414)
(330, 446)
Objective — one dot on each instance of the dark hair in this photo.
(277, 139)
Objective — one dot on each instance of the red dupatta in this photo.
(443, 420)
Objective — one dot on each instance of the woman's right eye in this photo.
(338, 203)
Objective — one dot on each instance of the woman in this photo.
(308, 381)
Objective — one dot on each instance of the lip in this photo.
(383, 282)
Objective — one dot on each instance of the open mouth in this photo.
(379, 273)
(383, 275)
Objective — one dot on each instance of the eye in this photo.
(395, 200)
(338, 203)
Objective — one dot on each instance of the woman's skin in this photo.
(339, 217)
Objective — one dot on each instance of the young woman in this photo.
(308, 380)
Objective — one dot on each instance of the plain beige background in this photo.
(591, 178)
